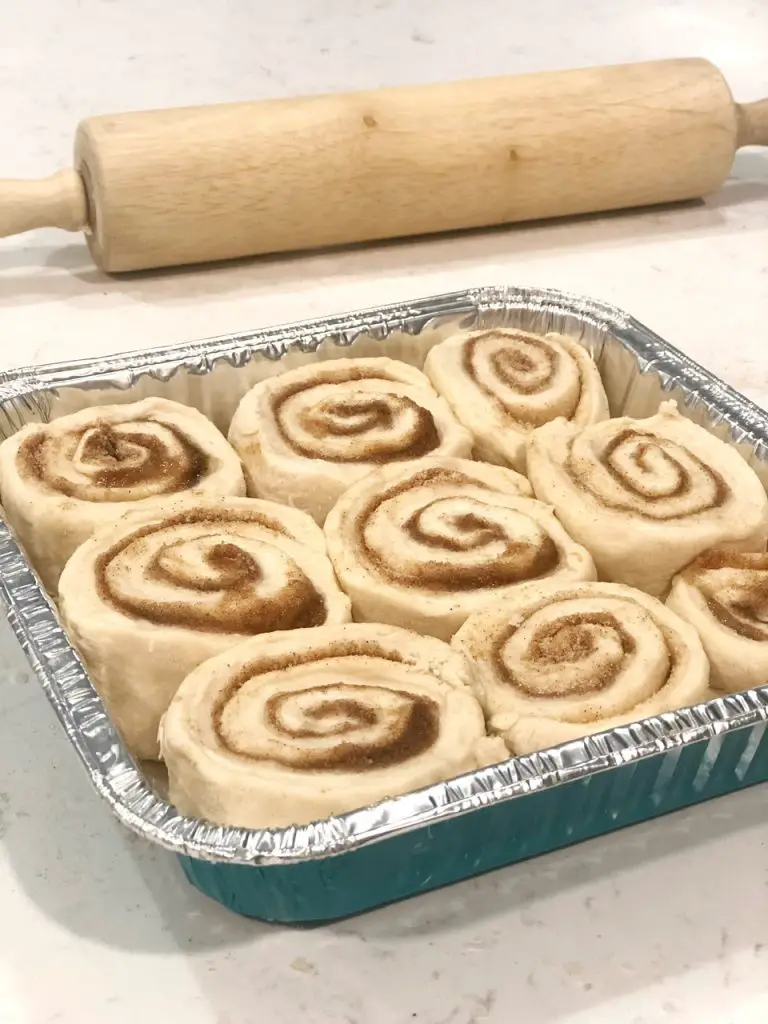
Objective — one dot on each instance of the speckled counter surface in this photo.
(664, 922)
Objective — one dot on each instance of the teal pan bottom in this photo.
(488, 837)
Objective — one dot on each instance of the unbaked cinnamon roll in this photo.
(293, 727)
(646, 496)
(59, 481)
(425, 545)
(724, 595)
(148, 598)
(556, 662)
(503, 383)
(308, 434)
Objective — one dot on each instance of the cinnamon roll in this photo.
(59, 481)
(724, 595)
(425, 545)
(647, 496)
(502, 383)
(148, 598)
(556, 662)
(308, 434)
(292, 727)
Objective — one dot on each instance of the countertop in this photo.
(663, 922)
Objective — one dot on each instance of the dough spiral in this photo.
(647, 496)
(308, 434)
(556, 662)
(724, 595)
(61, 480)
(503, 383)
(147, 599)
(425, 545)
(290, 728)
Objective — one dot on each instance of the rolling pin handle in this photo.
(56, 202)
(752, 123)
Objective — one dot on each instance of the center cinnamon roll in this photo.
(308, 434)
(724, 595)
(149, 598)
(559, 661)
(289, 728)
(503, 383)
(425, 545)
(62, 480)
(647, 496)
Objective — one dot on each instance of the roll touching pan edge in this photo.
(393, 849)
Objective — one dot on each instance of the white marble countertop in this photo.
(664, 922)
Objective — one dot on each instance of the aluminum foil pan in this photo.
(639, 369)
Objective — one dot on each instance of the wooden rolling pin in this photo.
(160, 188)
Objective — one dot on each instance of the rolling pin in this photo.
(167, 187)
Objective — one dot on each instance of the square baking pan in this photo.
(453, 830)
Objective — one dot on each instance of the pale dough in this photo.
(148, 598)
(287, 728)
(646, 496)
(306, 435)
(503, 383)
(558, 661)
(724, 595)
(60, 481)
(426, 544)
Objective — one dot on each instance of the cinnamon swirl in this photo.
(425, 545)
(308, 434)
(556, 662)
(724, 595)
(647, 496)
(292, 727)
(148, 598)
(502, 383)
(59, 481)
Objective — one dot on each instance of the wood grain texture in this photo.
(220, 182)
(58, 201)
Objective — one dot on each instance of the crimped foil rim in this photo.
(117, 777)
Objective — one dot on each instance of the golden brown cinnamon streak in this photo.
(306, 435)
(148, 598)
(289, 728)
(558, 661)
(426, 544)
(646, 496)
(724, 595)
(503, 383)
(62, 480)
